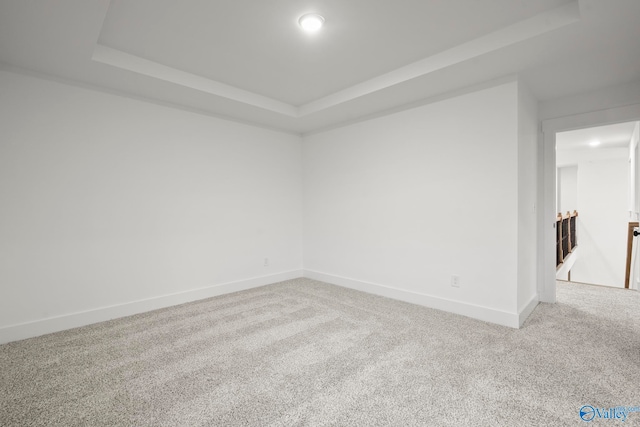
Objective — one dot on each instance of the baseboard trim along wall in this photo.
(74, 320)
(470, 310)
(528, 309)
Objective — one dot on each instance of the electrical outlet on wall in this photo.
(455, 281)
(266, 262)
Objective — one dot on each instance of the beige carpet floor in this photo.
(303, 352)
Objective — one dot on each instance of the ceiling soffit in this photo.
(517, 32)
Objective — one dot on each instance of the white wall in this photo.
(397, 205)
(567, 189)
(110, 206)
(634, 178)
(527, 195)
(601, 201)
(634, 203)
(602, 225)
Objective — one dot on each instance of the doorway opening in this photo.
(548, 198)
(595, 181)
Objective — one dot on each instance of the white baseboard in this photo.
(527, 310)
(457, 307)
(74, 320)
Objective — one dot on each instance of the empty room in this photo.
(314, 213)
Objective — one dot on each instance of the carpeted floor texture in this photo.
(305, 353)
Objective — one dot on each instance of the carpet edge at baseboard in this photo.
(63, 322)
(474, 311)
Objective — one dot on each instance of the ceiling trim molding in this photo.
(136, 64)
(520, 31)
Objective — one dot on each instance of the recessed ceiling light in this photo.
(594, 143)
(311, 22)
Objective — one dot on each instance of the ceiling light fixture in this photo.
(594, 143)
(311, 22)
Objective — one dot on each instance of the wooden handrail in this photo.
(568, 215)
(631, 227)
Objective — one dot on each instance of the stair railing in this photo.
(566, 236)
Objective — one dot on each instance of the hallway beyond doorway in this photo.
(595, 175)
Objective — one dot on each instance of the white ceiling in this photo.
(610, 136)
(248, 60)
